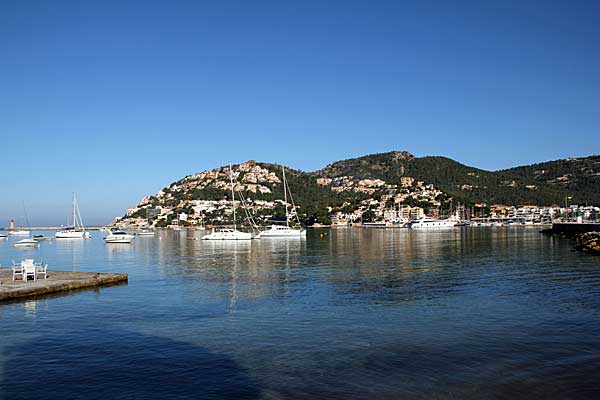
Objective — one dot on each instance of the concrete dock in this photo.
(58, 281)
(572, 228)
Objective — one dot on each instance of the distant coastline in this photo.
(51, 228)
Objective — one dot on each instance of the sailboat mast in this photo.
(73, 209)
(287, 222)
(232, 195)
(78, 213)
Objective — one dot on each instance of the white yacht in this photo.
(77, 230)
(118, 236)
(284, 231)
(228, 233)
(19, 232)
(29, 242)
(145, 232)
(431, 223)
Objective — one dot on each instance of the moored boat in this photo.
(19, 232)
(118, 236)
(229, 233)
(431, 223)
(40, 238)
(284, 231)
(76, 230)
(26, 243)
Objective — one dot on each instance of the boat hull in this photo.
(70, 234)
(430, 223)
(291, 233)
(119, 239)
(228, 236)
(19, 233)
(26, 243)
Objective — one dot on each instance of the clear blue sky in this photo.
(116, 99)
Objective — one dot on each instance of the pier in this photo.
(573, 228)
(57, 282)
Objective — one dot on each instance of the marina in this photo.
(300, 201)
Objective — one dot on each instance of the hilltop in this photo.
(369, 184)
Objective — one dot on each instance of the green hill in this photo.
(538, 184)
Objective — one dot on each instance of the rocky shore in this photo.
(588, 242)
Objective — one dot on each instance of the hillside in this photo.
(369, 184)
(539, 184)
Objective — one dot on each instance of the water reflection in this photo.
(346, 313)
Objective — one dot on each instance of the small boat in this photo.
(145, 232)
(40, 238)
(118, 236)
(26, 243)
(77, 230)
(19, 232)
(3, 236)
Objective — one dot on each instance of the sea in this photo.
(346, 313)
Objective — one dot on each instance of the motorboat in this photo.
(3, 236)
(26, 243)
(284, 231)
(118, 236)
(76, 230)
(431, 223)
(145, 232)
(19, 232)
(40, 238)
(227, 234)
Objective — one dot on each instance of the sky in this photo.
(116, 99)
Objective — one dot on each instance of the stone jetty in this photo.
(588, 242)
(56, 282)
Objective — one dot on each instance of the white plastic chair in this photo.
(17, 270)
(29, 268)
(41, 269)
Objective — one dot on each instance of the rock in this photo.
(588, 242)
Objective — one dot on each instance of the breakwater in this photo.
(588, 242)
(572, 228)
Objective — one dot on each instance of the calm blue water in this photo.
(355, 314)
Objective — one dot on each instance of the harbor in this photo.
(55, 283)
(339, 312)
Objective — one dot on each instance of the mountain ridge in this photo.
(376, 181)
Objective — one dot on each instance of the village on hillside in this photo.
(202, 199)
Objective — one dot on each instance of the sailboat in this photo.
(285, 231)
(29, 242)
(77, 230)
(228, 233)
